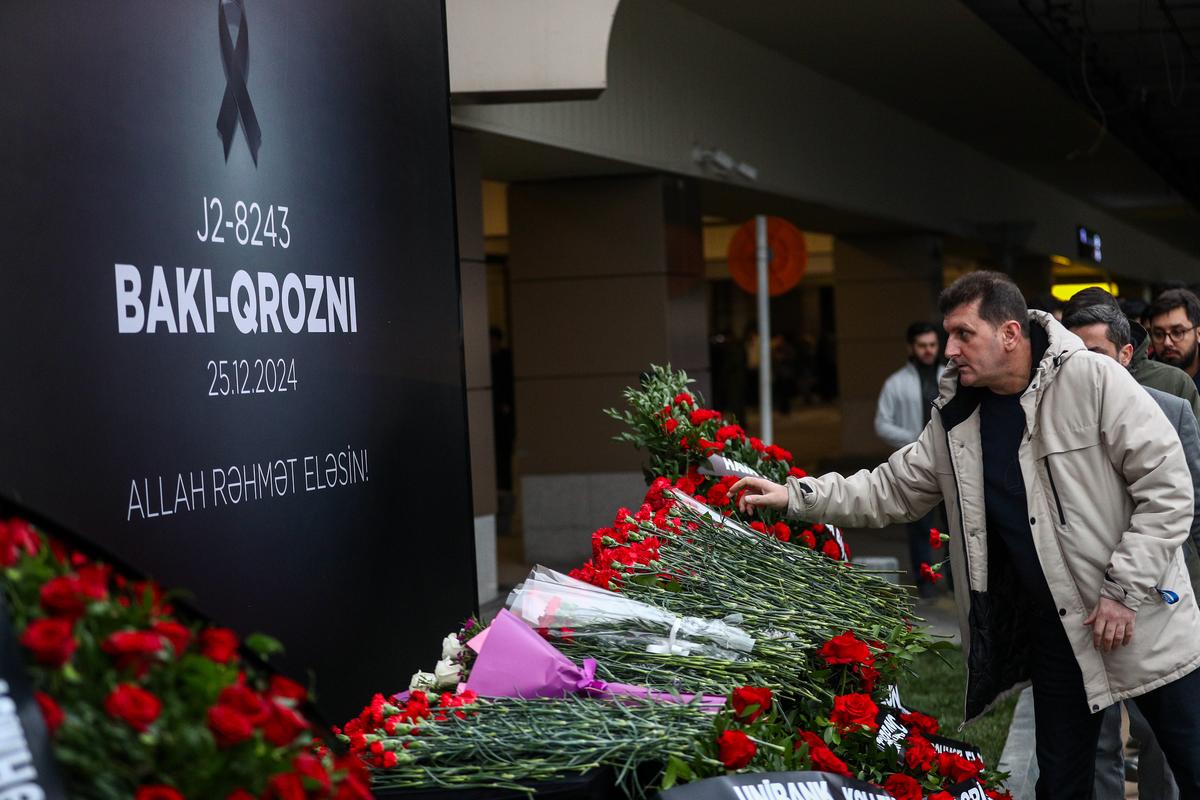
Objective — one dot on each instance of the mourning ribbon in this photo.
(235, 58)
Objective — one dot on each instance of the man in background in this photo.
(902, 413)
(1174, 318)
(1105, 330)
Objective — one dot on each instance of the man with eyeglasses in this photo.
(1174, 318)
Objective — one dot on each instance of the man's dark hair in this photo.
(1172, 299)
(1091, 296)
(1116, 324)
(999, 298)
(1044, 302)
(919, 328)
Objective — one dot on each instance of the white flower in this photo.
(447, 672)
(422, 681)
(451, 646)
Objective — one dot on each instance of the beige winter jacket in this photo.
(1110, 502)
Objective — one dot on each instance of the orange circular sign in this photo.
(787, 256)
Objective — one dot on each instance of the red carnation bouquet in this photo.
(702, 453)
(140, 702)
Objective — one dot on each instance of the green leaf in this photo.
(265, 646)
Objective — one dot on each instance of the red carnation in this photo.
(831, 549)
(957, 768)
(941, 796)
(853, 710)
(51, 711)
(809, 540)
(219, 644)
(229, 726)
(746, 696)
(761, 527)
(735, 749)
(918, 753)
(133, 705)
(51, 641)
(781, 531)
(846, 648)
(284, 724)
(778, 453)
(935, 538)
(157, 793)
(670, 425)
(796, 472)
(684, 399)
(903, 787)
(823, 759)
(240, 794)
(285, 786)
(925, 724)
(929, 574)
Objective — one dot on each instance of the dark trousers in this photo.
(1068, 731)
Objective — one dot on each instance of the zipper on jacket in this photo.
(1062, 518)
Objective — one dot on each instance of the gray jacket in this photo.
(900, 414)
(1179, 414)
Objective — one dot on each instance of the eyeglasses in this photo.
(1175, 334)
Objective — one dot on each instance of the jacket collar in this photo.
(956, 402)
(1141, 345)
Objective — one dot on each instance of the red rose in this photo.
(846, 648)
(935, 538)
(157, 793)
(868, 674)
(285, 786)
(903, 787)
(51, 711)
(63, 597)
(284, 724)
(133, 705)
(995, 794)
(17, 538)
(93, 580)
(918, 753)
(941, 796)
(219, 644)
(746, 696)
(52, 641)
(957, 768)
(245, 701)
(240, 794)
(133, 649)
(822, 758)
(229, 726)
(735, 749)
(852, 710)
(831, 549)
(282, 688)
(178, 635)
(925, 724)
(310, 767)
(670, 425)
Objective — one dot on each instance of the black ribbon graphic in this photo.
(235, 58)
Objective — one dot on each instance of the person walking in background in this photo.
(1104, 329)
(1174, 318)
(903, 410)
(1147, 372)
(1069, 498)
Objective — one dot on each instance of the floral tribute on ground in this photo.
(141, 703)
(692, 644)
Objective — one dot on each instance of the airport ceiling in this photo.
(1101, 98)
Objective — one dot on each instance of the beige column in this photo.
(606, 279)
(881, 284)
(473, 279)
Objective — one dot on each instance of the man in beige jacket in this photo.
(1068, 496)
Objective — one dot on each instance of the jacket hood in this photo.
(1141, 344)
(1061, 343)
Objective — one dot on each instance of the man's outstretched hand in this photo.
(1112, 625)
(759, 493)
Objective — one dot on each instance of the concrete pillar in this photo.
(606, 278)
(881, 284)
(476, 347)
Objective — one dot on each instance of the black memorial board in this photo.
(230, 319)
(777, 786)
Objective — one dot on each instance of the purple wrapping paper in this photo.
(514, 661)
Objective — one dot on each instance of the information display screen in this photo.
(230, 319)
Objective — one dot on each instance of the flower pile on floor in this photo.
(140, 702)
(693, 643)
